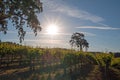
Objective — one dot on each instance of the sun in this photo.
(52, 29)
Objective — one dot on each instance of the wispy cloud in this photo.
(76, 13)
(88, 34)
(99, 27)
(71, 11)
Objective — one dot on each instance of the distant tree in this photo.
(85, 44)
(21, 13)
(77, 39)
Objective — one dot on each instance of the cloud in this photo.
(88, 34)
(56, 6)
(99, 27)
(76, 13)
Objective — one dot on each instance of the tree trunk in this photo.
(81, 48)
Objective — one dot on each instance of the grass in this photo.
(116, 63)
(45, 73)
(48, 73)
(95, 74)
(114, 74)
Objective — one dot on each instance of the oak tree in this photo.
(20, 13)
(77, 39)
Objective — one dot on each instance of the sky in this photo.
(99, 20)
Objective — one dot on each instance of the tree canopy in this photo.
(21, 13)
(77, 39)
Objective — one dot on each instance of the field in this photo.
(19, 62)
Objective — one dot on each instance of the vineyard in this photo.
(19, 62)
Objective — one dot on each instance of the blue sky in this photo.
(99, 20)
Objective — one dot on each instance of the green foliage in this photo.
(21, 13)
(54, 60)
(104, 59)
(116, 63)
(77, 39)
(91, 58)
(68, 59)
(82, 58)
